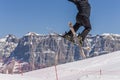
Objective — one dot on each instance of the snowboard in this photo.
(76, 40)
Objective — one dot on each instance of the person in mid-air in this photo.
(82, 19)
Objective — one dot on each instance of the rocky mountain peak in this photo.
(11, 38)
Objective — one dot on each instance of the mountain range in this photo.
(44, 50)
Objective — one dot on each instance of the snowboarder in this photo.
(82, 19)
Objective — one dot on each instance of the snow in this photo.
(16, 77)
(111, 34)
(104, 67)
(52, 34)
(2, 39)
(31, 33)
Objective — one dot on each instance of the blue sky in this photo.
(44, 16)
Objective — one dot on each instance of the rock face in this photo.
(44, 50)
(7, 45)
(105, 43)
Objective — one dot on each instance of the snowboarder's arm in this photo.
(74, 1)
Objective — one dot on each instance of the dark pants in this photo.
(81, 21)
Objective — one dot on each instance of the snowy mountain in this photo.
(104, 67)
(40, 51)
(7, 45)
(104, 43)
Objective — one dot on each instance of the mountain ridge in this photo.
(41, 50)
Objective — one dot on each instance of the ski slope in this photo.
(104, 67)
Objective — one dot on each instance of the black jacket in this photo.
(83, 7)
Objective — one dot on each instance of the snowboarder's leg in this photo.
(69, 35)
(80, 22)
(76, 27)
(87, 26)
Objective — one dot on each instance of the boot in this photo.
(68, 37)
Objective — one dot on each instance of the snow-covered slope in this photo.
(104, 67)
